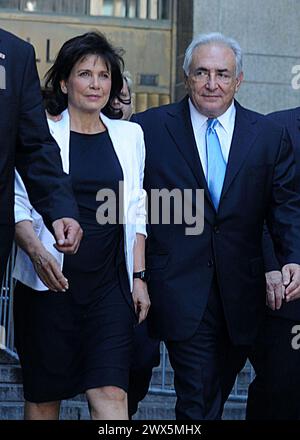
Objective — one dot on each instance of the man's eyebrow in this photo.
(207, 70)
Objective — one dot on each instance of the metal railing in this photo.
(6, 308)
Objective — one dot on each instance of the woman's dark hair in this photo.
(73, 50)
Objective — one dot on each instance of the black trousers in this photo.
(197, 364)
(274, 394)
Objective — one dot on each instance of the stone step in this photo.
(234, 411)
(157, 378)
(11, 411)
(153, 407)
(156, 408)
(11, 392)
(161, 407)
(10, 373)
(69, 411)
(7, 358)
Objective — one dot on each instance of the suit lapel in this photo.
(180, 128)
(244, 135)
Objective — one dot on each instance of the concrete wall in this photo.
(269, 34)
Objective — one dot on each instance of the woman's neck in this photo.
(86, 123)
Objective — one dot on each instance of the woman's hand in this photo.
(49, 270)
(44, 263)
(141, 299)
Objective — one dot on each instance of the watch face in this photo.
(146, 276)
(143, 275)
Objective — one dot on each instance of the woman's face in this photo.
(88, 86)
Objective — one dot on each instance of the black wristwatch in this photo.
(142, 275)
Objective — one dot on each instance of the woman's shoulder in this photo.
(128, 125)
(119, 123)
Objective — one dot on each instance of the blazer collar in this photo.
(179, 126)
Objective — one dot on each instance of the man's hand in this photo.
(291, 279)
(275, 289)
(48, 270)
(140, 299)
(68, 234)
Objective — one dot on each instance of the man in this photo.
(27, 144)
(208, 291)
(274, 394)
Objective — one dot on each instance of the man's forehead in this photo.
(215, 53)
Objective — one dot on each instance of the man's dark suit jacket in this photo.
(290, 119)
(27, 144)
(258, 186)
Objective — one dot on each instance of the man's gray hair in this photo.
(214, 37)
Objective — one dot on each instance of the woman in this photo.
(80, 340)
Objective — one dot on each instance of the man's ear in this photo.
(239, 81)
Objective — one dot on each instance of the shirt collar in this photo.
(226, 119)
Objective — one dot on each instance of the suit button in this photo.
(210, 263)
(216, 229)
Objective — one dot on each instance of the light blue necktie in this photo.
(216, 165)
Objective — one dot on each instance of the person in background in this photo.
(27, 144)
(125, 102)
(81, 340)
(274, 393)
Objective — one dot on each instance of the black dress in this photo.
(82, 339)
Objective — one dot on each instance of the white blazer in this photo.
(128, 141)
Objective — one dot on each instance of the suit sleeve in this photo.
(283, 216)
(38, 160)
(270, 260)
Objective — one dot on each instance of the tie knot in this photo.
(211, 123)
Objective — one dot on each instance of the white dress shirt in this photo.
(224, 131)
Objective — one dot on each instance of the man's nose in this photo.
(211, 82)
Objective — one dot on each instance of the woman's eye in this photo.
(104, 75)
